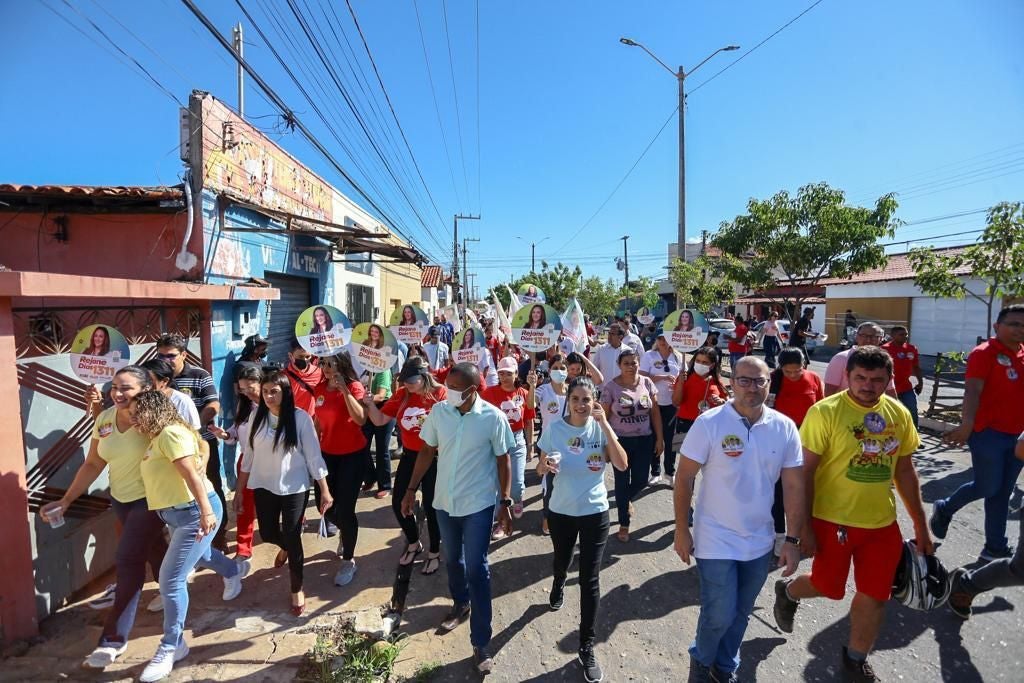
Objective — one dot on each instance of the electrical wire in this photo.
(479, 168)
(455, 92)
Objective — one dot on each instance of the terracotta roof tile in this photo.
(899, 267)
(95, 191)
(431, 277)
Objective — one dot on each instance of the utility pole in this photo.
(465, 263)
(703, 242)
(680, 77)
(236, 33)
(456, 294)
(474, 294)
(625, 257)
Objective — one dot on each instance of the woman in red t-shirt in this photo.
(416, 396)
(738, 344)
(339, 419)
(700, 388)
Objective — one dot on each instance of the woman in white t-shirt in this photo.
(575, 449)
(770, 340)
(550, 405)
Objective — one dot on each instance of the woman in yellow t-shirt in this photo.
(176, 489)
(118, 447)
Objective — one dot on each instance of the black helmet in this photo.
(921, 582)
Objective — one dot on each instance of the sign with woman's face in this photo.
(536, 327)
(645, 316)
(373, 348)
(409, 324)
(467, 346)
(686, 330)
(98, 352)
(323, 330)
(531, 294)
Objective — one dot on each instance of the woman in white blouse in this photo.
(281, 457)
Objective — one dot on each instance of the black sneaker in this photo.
(699, 673)
(592, 672)
(483, 660)
(857, 671)
(989, 555)
(939, 521)
(960, 598)
(785, 607)
(719, 676)
(457, 615)
(557, 596)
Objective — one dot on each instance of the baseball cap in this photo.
(508, 364)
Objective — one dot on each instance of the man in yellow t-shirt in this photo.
(857, 443)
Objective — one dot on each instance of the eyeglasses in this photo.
(747, 382)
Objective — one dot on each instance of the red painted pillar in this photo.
(18, 618)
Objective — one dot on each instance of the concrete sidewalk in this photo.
(647, 616)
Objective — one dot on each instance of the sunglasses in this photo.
(167, 356)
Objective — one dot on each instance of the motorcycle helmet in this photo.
(921, 581)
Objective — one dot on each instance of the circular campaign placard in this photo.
(323, 330)
(645, 316)
(686, 330)
(531, 294)
(409, 324)
(536, 327)
(373, 348)
(467, 346)
(98, 352)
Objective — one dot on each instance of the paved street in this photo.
(648, 613)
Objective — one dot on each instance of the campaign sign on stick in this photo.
(686, 330)
(323, 330)
(645, 316)
(98, 352)
(536, 327)
(467, 347)
(409, 324)
(373, 348)
(531, 294)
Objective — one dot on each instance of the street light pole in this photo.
(533, 252)
(680, 77)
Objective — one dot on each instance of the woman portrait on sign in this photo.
(686, 322)
(99, 343)
(408, 316)
(375, 337)
(321, 320)
(468, 339)
(538, 318)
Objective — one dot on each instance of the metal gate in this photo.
(282, 313)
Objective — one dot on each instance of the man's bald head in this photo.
(752, 366)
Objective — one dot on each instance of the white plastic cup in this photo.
(55, 515)
(554, 459)
(115, 356)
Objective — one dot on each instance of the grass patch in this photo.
(427, 672)
(340, 655)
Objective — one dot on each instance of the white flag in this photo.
(504, 326)
(451, 313)
(514, 304)
(573, 326)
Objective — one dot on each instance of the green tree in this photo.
(791, 243)
(702, 283)
(559, 284)
(996, 262)
(598, 297)
(643, 291)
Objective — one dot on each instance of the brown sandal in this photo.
(432, 564)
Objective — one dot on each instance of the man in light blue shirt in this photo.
(471, 439)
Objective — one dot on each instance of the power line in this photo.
(479, 168)
(751, 50)
(455, 91)
(437, 108)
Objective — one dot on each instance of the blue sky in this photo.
(921, 97)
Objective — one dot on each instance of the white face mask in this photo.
(559, 376)
(701, 369)
(455, 399)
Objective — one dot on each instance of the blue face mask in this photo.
(559, 376)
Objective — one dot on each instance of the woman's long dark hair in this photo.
(286, 418)
(328, 325)
(244, 404)
(712, 353)
(342, 364)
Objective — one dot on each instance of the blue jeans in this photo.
(183, 553)
(909, 399)
(629, 484)
(517, 459)
(995, 473)
(465, 543)
(728, 589)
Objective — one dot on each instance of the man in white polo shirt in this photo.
(741, 448)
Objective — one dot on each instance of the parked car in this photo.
(784, 326)
(723, 328)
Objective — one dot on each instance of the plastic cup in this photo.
(554, 459)
(55, 515)
(115, 356)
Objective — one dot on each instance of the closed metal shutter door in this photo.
(284, 312)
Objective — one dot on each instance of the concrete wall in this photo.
(890, 310)
(399, 282)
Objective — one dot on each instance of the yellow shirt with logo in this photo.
(122, 451)
(165, 486)
(857, 450)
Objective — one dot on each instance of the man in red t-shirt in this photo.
(906, 363)
(991, 419)
(738, 345)
(304, 375)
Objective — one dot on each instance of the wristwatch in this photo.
(506, 502)
(794, 540)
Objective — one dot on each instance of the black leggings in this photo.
(214, 475)
(344, 478)
(668, 428)
(629, 484)
(280, 519)
(408, 524)
(592, 531)
(141, 543)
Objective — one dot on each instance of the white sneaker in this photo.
(346, 573)
(156, 604)
(233, 585)
(103, 656)
(163, 662)
(104, 599)
(654, 481)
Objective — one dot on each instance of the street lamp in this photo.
(533, 251)
(680, 76)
